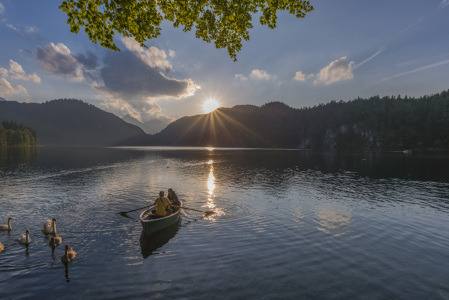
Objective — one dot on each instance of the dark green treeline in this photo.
(375, 123)
(13, 134)
(393, 122)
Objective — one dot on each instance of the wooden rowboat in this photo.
(151, 225)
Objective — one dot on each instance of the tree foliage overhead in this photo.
(224, 22)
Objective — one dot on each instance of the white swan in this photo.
(25, 238)
(69, 255)
(6, 227)
(55, 241)
(50, 226)
(1, 247)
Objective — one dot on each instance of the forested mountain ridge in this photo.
(362, 124)
(71, 122)
(388, 123)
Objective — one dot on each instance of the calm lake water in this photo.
(288, 224)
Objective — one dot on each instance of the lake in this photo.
(288, 224)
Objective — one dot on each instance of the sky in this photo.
(340, 51)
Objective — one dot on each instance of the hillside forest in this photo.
(13, 135)
(388, 123)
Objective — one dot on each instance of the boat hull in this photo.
(154, 225)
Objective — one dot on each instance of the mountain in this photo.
(2, 99)
(361, 124)
(150, 127)
(154, 126)
(131, 120)
(72, 122)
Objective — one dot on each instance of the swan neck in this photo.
(54, 228)
(9, 223)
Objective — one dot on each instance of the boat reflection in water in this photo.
(150, 244)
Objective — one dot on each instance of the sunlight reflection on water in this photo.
(329, 226)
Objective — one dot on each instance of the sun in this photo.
(210, 105)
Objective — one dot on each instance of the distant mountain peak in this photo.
(150, 127)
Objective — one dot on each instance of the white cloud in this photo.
(16, 72)
(171, 53)
(260, 75)
(241, 77)
(153, 57)
(57, 59)
(337, 70)
(13, 28)
(147, 110)
(6, 89)
(300, 76)
(444, 3)
(2, 8)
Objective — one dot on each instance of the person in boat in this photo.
(162, 205)
(173, 199)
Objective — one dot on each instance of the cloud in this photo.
(6, 89)
(16, 72)
(13, 28)
(30, 32)
(260, 75)
(127, 76)
(153, 57)
(255, 74)
(134, 79)
(300, 76)
(337, 70)
(241, 77)
(57, 59)
(144, 112)
(444, 3)
(171, 53)
(129, 82)
(2, 8)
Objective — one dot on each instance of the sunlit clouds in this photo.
(260, 74)
(57, 59)
(152, 57)
(6, 89)
(337, 70)
(16, 72)
(300, 76)
(256, 74)
(138, 78)
(129, 82)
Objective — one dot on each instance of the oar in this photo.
(125, 212)
(203, 211)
